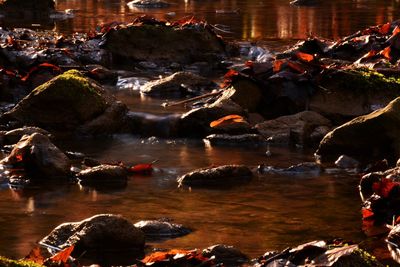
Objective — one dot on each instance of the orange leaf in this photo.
(230, 119)
(384, 29)
(63, 255)
(386, 53)
(305, 57)
(249, 63)
(369, 54)
(295, 66)
(367, 213)
(144, 168)
(278, 65)
(228, 77)
(396, 31)
(162, 256)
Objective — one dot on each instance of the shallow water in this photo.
(272, 212)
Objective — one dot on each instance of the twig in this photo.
(166, 104)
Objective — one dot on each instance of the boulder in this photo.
(348, 94)
(67, 102)
(104, 239)
(246, 93)
(218, 176)
(21, 8)
(39, 157)
(366, 138)
(103, 174)
(161, 229)
(346, 162)
(296, 128)
(13, 136)
(182, 43)
(227, 255)
(178, 83)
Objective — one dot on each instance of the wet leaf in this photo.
(367, 213)
(63, 256)
(277, 67)
(228, 78)
(230, 119)
(384, 29)
(396, 30)
(386, 53)
(305, 57)
(384, 187)
(145, 168)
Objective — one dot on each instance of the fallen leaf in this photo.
(384, 187)
(230, 119)
(63, 255)
(305, 57)
(36, 256)
(277, 65)
(145, 168)
(384, 29)
(386, 53)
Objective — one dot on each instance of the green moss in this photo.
(367, 258)
(369, 79)
(5, 262)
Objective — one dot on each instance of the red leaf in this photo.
(145, 168)
(367, 213)
(63, 255)
(304, 57)
(384, 29)
(228, 78)
(396, 31)
(41, 66)
(278, 65)
(384, 187)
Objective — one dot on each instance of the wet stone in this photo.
(227, 175)
(148, 4)
(235, 140)
(106, 239)
(103, 174)
(160, 229)
(228, 255)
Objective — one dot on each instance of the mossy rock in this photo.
(352, 93)
(63, 103)
(367, 138)
(5, 262)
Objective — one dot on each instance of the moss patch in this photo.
(370, 79)
(5, 262)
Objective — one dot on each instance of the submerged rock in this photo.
(235, 140)
(366, 138)
(103, 174)
(297, 128)
(218, 176)
(177, 83)
(104, 239)
(39, 157)
(159, 229)
(227, 255)
(70, 102)
(182, 43)
(148, 3)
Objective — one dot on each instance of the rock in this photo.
(227, 255)
(305, 168)
(366, 138)
(218, 176)
(353, 93)
(146, 124)
(39, 157)
(235, 140)
(103, 174)
(24, 9)
(318, 134)
(231, 124)
(304, 2)
(197, 121)
(13, 136)
(295, 128)
(184, 44)
(346, 162)
(177, 83)
(104, 239)
(246, 93)
(67, 102)
(393, 241)
(159, 229)
(148, 4)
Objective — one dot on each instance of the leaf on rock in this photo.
(305, 57)
(228, 78)
(367, 213)
(384, 187)
(36, 256)
(144, 168)
(386, 53)
(63, 255)
(384, 29)
(230, 119)
(277, 67)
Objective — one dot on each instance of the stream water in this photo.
(273, 212)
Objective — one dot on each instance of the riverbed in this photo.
(271, 213)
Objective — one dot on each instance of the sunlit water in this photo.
(272, 212)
